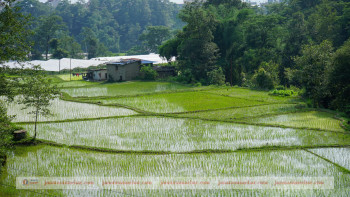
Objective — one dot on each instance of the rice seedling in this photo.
(341, 156)
(242, 113)
(125, 88)
(314, 119)
(251, 94)
(181, 102)
(68, 77)
(177, 135)
(69, 84)
(49, 161)
(63, 110)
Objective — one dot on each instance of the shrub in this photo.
(199, 84)
(280, 87)
(277, 92)
(148, 73)
(216, 77)
(262, 79)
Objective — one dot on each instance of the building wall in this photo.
(132, 71)
(99, 75)
(125, 72)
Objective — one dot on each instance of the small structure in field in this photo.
(125, 69)
(20, 134)
(165, 71)
(96, 75)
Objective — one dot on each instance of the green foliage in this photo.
(148, 73)
(70, 46)
(46, 31)
(277, 92)
(197, 51)
(7, 86)
(262, 79)
(315, 66)
(267, 76)
(169, 49)
(246, 38)
(339, 84)
(14, 33)
(117, 24)
(92, 44)
(216, 77)
(37, 92)
(6, 132)
(60, 53)
(154, 36)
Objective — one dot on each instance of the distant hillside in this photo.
(116, 24)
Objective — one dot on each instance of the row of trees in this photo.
(296, 42)
(99, 27)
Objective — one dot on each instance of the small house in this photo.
(96, 75)
(125, 69)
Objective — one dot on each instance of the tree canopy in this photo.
(287, 43)
(101, 26)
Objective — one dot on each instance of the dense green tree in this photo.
(315, 65)
(14, 33)
(197, 51)
(169, 49)
(92, 45)
(117, 24)
(294, 40)
(216, 76)
(68, 44)
(13, 46)
(47, 31)
(339, 84)
(154, 36)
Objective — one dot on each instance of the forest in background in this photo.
(298, 44)
(99, 27)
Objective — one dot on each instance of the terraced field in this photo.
(180, 102)
(156, 129)
(64, 110)
(122, 89)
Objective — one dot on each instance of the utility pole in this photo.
(70, 66)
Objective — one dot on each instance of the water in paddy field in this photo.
(179, 135)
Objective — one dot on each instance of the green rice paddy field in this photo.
(162, 129)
